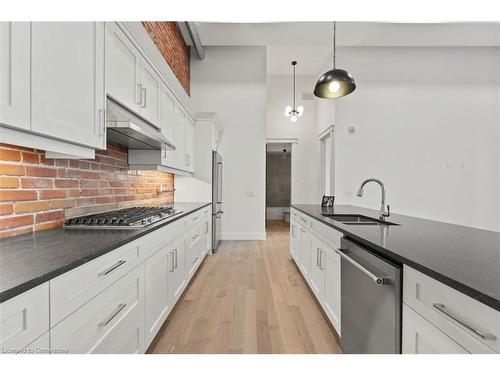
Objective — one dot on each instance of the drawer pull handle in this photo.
(442, 308)
(195, 237)
(173, 261)
(175, 252)
(195, 260)
(111, 316)
(112, 268)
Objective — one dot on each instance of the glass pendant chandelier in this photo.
(336, 82)
(291, 111)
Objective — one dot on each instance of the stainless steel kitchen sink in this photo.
(354, 219)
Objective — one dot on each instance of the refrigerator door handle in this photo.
(219, 182)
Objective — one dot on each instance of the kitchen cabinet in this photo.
(176, 252)
(189, 130)
(317, 261)
(96, 325)
(168, 125)
(123, 64)
(472, 325)
(421, 337)
(294, 227)
(24, 318)
(150, 84)
(316, 274)
(206, 232)
(193, 249)
(208, 133)
(330, 262)
(157, 302)
(67, 81)
(15, 77)
(180, 138)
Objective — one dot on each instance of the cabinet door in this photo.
(156, 301)
(97, 325)
(305, 258)
(189, 142)
(67, 81)
(150, 94)
(293, 239)
(421, 337)
(15, 74)
(180, 121)
(330, 263)
(176, 269)
(316, 275)
(193, 246)
(168, 125)
(122, 68)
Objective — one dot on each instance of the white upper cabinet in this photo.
(122, 68)
(168, 125)
(15, 74)
(150, 94)
(67, 82)
(180, 137)
(189, 144)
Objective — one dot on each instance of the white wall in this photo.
(232, 82)
(427, 123)
(306, 153)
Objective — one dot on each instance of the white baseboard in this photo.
(244, 236)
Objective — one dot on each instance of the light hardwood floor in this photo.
(248, 298)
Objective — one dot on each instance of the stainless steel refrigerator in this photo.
(217, 171)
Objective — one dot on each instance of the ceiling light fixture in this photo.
(336, 82)
(291, 111)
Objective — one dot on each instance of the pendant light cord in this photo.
(293, 87)
(334, 42)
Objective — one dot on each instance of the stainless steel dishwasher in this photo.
(370, 301)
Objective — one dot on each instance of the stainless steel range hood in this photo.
(126, 129)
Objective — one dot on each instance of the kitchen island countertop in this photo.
(464, 258)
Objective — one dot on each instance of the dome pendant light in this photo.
(291, 111)
(336, 82)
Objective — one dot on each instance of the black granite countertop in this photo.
(32, 259)
(466, 259)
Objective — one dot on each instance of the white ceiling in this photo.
(310, 43)
(349, 34)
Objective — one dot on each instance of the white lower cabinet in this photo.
(40, 346)
(421, 337)
(177, 281)
(24, 318)
(193, 247)
(330, 261)
(318, 261)
(96, 326)
(157, 302)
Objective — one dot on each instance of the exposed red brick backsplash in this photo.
(168, 39)
(38, 193)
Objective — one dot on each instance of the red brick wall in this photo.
(38, 193)
(168, 39)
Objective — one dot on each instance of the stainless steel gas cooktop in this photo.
(127, 218)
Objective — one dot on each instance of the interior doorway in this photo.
(278, 182)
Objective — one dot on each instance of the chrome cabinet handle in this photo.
(102, 121)
(138, 98)
(173, 262)
(175, 251)
(206, 227)
(195, 260)
(112, 268)
(321, 259)
(195, 237)
(143, 91)
(111, 316)
(379, 280)
(317, 257)
(442, 309)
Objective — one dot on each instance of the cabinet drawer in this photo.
(421, 337)
(326, 233)
(73, 289)
(24, 318)
(193, 237)
(460, 317)
(194, 219)
(98, 325)
(161, 237)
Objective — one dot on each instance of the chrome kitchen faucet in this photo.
(384, 212)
